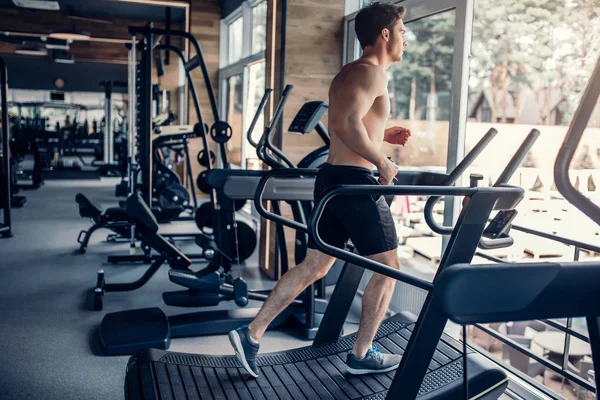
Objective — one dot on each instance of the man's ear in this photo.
(385, 34)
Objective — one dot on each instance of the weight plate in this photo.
(201, 183)
(174, 195)
(221, 132)
(203, 217)
(247, 240)
(203, 159)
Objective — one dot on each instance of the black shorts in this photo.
(366, 220)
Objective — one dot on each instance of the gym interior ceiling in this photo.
(85, 62)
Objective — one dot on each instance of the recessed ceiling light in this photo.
(62, 57)
(50, 5)
(70, 34)
(56, 44)
(31, 50)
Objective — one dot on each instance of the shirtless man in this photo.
(358, 109)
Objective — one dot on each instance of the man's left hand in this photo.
(397, 135)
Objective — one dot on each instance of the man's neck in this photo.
(376, 57)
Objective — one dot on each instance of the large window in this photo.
(426, 91)
(527, 67)
(420, 88)
(243, 76)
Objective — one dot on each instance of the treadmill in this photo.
(520, 291)
(318, 371)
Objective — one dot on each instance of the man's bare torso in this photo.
(374, 120)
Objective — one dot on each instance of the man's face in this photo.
(397, 43)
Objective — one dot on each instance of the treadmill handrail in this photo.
(571, 142)
(453, 177)
(377, 190)
(260, 190)
(518, 157)
(504, 177)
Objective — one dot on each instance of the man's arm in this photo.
(354, 100)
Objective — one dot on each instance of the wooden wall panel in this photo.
(313, 56)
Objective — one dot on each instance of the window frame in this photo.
(419, 9)
(240, 67)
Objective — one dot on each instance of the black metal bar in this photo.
(281, 260)
(419, 351)
(562, 328)
(567, 345)
(370, 190)
(145, 116)
(323, 133)
(190, 175)
(192, 63)
(282, 54)
(201, 62)
(593, 324)
(339, 304)
(128, 286)
(518, 157)
(491, 258)
(259, 110)
(453, 177)
(168, 38)
(194, 93)
(570, 144)
(545, 362)
(6, 226)
(557, 238)
(266, 140)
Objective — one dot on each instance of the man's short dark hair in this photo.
(375, 17)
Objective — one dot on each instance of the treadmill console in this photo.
(308, 117)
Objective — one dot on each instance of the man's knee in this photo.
(389, 259)
(317, 263)
(394, 262)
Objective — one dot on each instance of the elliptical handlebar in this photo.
(259, 110)
(267, 139)
(571, 142)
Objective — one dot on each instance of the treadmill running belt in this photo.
(307, 373)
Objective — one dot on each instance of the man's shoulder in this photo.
(362, 72)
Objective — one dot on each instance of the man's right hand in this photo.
(387, 172)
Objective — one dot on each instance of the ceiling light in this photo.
(70, 34)
(56, 44)
(50, 5)
(31, 50)
(62, 57)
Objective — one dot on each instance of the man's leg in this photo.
(245, 339)
(376, 301)
(314, 267)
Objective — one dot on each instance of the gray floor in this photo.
(49, 349)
